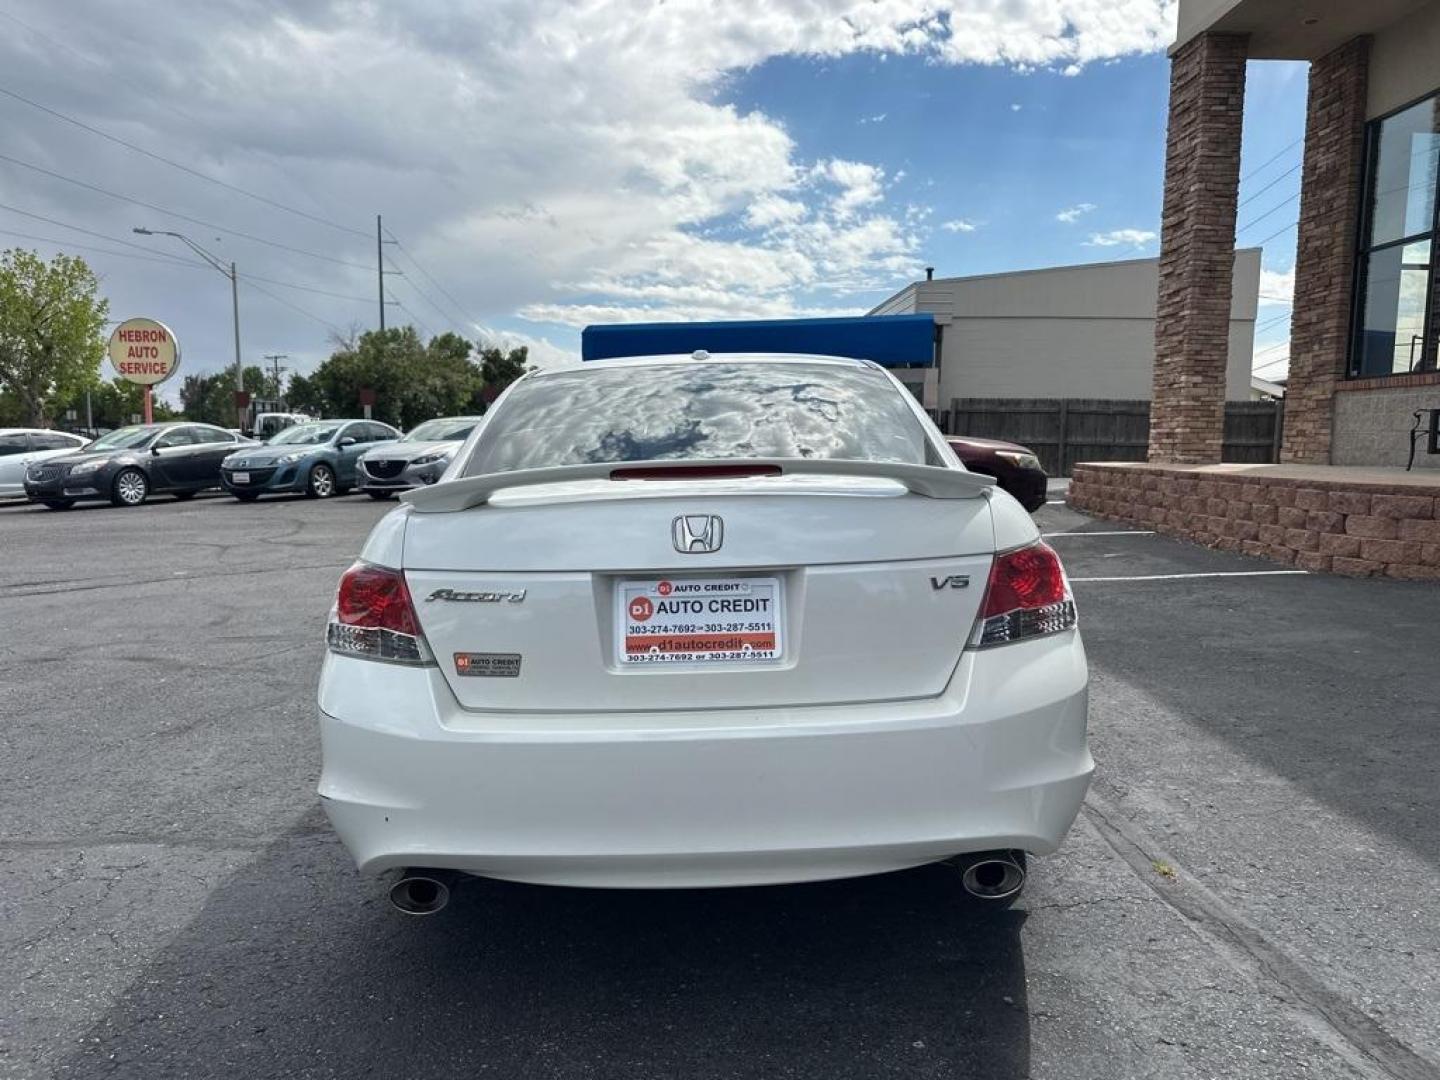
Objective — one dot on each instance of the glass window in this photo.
(305, 435)
(181, 436)
(1398, 291)
(379, 433)
(211, 435)
(697, 410)
(56, 441)
(125, 438)
(14, 444)
(452, 429)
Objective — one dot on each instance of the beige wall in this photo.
(1372, 427)
(1065, 332)
(1405, 61)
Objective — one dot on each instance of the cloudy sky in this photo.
(547, 164)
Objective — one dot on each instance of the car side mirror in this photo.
(155, 450)
(347, 441)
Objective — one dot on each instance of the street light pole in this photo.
(228, 271)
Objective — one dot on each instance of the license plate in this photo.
(699, 620)
(240, 478)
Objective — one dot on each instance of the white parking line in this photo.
(1213, 574)
(1054, 502)
(1121, 532)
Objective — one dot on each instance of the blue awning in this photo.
(892, 340)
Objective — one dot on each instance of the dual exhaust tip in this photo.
(986, 875)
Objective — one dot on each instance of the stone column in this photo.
(1197, 248)
(1325, 259)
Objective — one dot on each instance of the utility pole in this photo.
(380, 270)
(275, 359)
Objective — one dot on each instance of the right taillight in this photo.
(374, 618)
(1026, 597)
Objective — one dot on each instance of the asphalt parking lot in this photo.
(1253, 889)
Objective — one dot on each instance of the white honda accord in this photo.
(701, 621)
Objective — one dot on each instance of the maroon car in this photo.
(1015, 468)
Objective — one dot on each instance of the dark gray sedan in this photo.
(130, 464)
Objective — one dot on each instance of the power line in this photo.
(183, 217)
(119, 74)
(178, 264)
(1278, 206)
(1271, 161)
(307, 288)
(1255, 195)
(152, 255)
(177, 165)
(419, 321)
(459, 307)
(1272, 322)
(295, 307)
(1277, 232)
(90, 232)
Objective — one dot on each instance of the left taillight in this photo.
(374, 618)
(1027, 596)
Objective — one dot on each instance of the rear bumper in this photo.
(731, 797)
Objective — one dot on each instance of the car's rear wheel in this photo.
(59, 504)
(378, 495)
(321, 483)
(246, 496)
(130, 488)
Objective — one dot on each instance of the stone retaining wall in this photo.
(1360, 529)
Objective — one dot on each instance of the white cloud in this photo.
(542, 352)
(959, 225)
(1072, 214)
(1277, 287)
(1016, 107)
(628, 187)
(1137, 238)
(878, 118)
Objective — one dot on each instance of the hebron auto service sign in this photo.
(144, 351)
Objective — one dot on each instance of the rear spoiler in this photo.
(931, 481)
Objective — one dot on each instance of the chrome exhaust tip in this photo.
(993, 875)
(420, 892)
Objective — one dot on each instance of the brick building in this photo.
(1366, 322)
(1365, 327)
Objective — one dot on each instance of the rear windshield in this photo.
(700, 410)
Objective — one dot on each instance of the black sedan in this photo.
(130, 464)
(1015, 468)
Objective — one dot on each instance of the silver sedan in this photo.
(416, 460)
(20, 447)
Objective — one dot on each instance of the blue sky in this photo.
(1005, 152)
(546, 165)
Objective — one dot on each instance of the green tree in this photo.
(210, 398)
(52, 322)
(500, 368)
(412, 382)
(112, 404)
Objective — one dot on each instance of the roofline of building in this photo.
(915, 285)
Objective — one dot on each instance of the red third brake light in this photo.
(374, 617)
(1025, 597)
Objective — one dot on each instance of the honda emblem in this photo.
(697, 534)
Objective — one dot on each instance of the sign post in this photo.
(144, 352)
